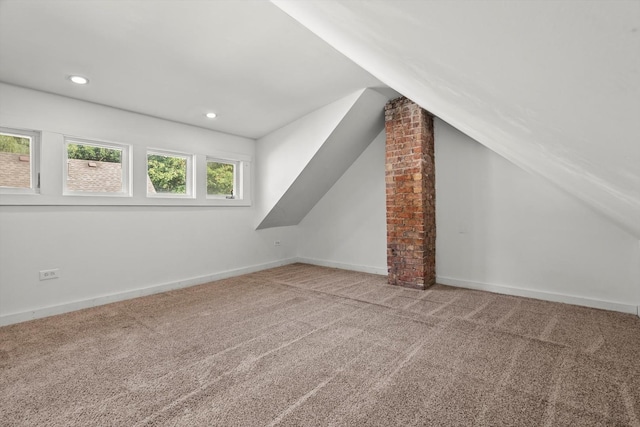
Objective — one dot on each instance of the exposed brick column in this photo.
(411, 195)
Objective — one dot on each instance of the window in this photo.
(19, 161)
(96, 168)
(169, 174)
(79, 171)
(222, 182)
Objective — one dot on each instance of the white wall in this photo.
(347, 227)
(285, 153)
(280, 153)
(522, 78)
(107, 253)
(499, 228)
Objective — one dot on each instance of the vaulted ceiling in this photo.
(552, 86)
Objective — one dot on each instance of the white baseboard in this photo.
(542, 295)
(500, 289)
(8, 319)
(353, 267)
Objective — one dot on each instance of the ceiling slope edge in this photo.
(618, 205)
(348, 138)
(282, 155)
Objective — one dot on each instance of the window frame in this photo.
(34, 161)
(49, 157)
(190, 192)
(125, 162)
(237, 179)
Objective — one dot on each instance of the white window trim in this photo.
(50, 159)
(244, 179)
(238, 192)
(34, 161)
(126, 163)
(190, 187)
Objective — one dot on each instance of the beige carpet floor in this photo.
(303, 345)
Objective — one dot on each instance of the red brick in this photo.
(410, 189)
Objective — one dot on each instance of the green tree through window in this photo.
(219, 178)
(14, 144)
(168, 174)
(98, 154)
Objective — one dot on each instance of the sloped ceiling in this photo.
(299, 163)
(553, 86)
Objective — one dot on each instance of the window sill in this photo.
(72, 200)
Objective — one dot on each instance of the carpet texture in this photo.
(303, 345)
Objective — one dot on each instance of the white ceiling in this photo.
(554, 86)
(246, 60)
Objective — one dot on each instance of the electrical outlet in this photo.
(276, 243)
(50, 274)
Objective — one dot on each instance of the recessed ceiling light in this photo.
(211, 115)
(79, 80)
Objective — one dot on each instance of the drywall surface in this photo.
(553, 86)
(347, 227)
(56, 117)
(253, 64)
(106, 253)
(499, 228)
(283, 154)
(337, 151)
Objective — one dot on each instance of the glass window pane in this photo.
(220, 179)
(15, 161)
(93, 168)
(167, 174)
